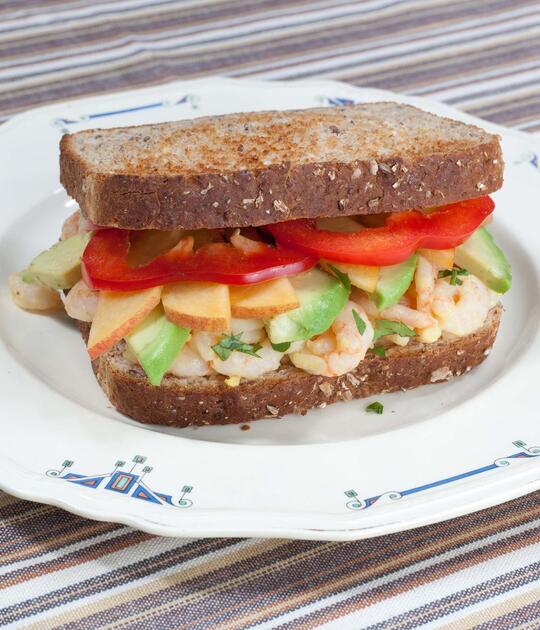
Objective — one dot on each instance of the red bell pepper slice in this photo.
(402, 234)
(105, 264)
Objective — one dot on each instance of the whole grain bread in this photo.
(183, 402)
(266, 167)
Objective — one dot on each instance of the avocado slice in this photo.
(321, 297)
(59, 267)
(155, 342)
(393, 281)
(482, 257)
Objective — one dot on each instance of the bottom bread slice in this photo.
(205, 400)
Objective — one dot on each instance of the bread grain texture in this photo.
(265, 167)
(183, 402)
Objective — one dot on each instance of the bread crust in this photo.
(209, 401)
(431, 174)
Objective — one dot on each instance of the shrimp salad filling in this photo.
(319, 295)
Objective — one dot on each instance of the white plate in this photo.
(335, 474)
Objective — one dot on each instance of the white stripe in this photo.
(428, 594)
(529, 124)
(451, 44)
(63, 551)
(392, 606)
(234, 31)
(38, 586)
(116, 561)
(495, 600)
(178, 34)
(405, 49)
(470, 82)
(17, 14)
(489, 85)
(413, 40)
(335, 11)
(489, 101)
(43, 18)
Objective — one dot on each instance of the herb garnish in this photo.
(375, 407)
(281, 347)
(379, 351)
(230, 343)
(453, 274)
(360, 323)
(385, 327)
(341, 276)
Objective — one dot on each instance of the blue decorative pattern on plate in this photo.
(361, 504)
(126, 482)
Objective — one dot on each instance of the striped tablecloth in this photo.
(480, 571)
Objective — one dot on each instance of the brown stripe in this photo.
(90, 553)
(47, 537)
(110, 28)
(135, 593)
(238, 56)
(412, 581)
(463, 599)
(132, 572)
(8, 500)
(410, 29)
(138, 75)
(418, 545)
(491, 613)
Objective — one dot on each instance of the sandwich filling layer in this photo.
(241, 303)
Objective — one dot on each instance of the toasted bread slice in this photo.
(183, 402)
(266, 167)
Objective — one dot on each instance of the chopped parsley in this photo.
(231, 343)
(342, 277)
(281, 347)
(385, 327)
(379, 351)
(375, 407)
(360, 323)
(453, 274)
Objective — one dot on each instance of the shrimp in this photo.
(461, 308)
(71, 226)
(189, 362)
(362, 299)
(424, 280)
(33, 297)
(81, 302)
(408, 316)
(338, 350)
(239, 363)
(252, 330)
(248, 366)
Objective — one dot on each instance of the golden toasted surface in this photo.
(260, 139)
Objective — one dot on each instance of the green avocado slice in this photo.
(58, 267)
(482, 257)
(156, 342)
(393, 281)
(321, 297)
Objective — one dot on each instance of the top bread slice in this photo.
(265, 167)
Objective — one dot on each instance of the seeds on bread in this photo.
(265, 167)
(208, 400)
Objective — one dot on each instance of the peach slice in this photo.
(263, 300)
(198, 305)
(361, 276)
(440, 258)
(117, 314)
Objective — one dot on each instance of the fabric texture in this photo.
(58, 570)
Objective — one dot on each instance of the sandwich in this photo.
(246, 266)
